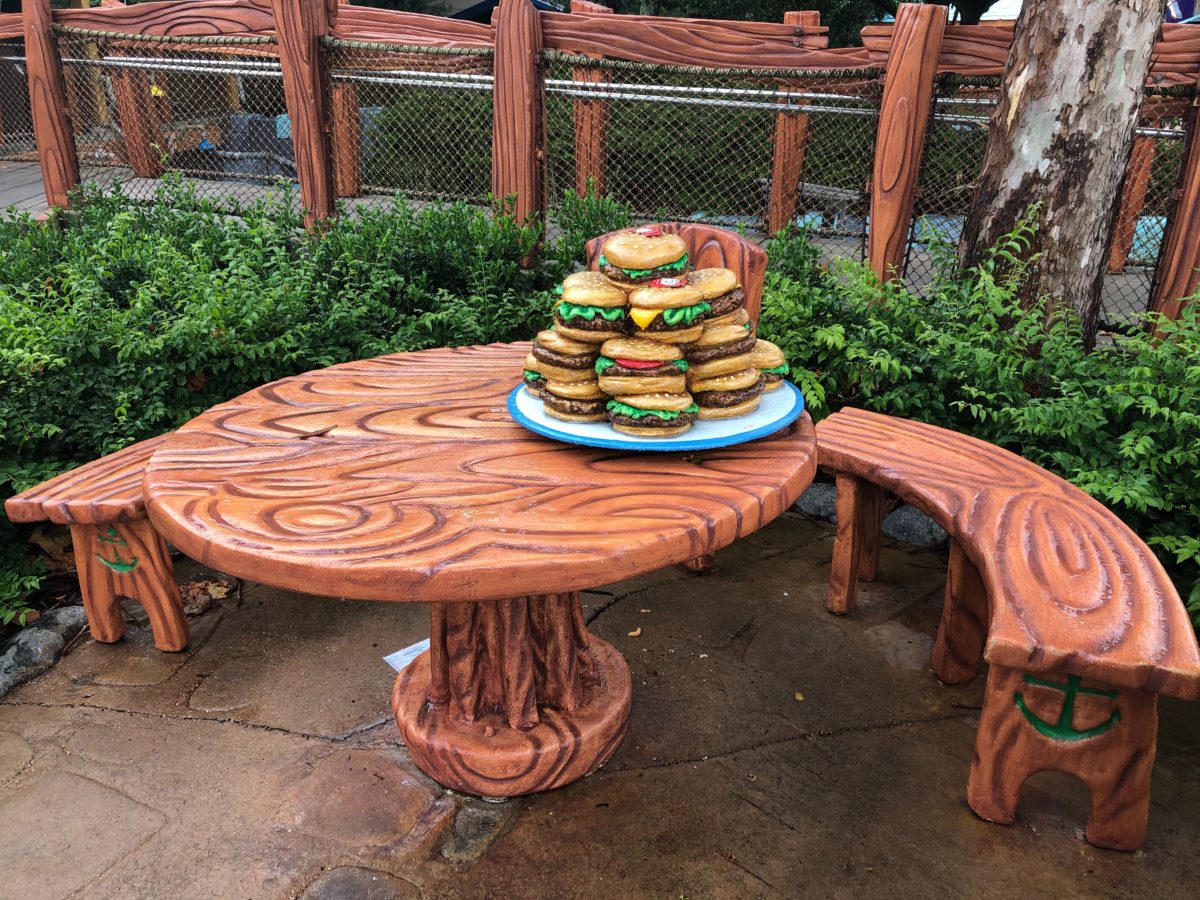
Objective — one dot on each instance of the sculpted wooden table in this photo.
(403, 479)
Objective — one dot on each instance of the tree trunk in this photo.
(1062, 136)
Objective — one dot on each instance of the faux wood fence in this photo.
(902, 66)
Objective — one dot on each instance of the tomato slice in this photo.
(637, 363)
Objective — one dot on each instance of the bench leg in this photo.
(700, 564)
(963, 627)
(871, 505)
(128, 559)
(857, 503)
(513, 697)
(1104, 737)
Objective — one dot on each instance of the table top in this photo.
(403, 478)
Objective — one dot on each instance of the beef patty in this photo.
(618, 275)
(575, 407)
(582, 361)
(596, 323)
(684, 418)
(616, 370)
(730, 398)
(699, 355)
(726, 303)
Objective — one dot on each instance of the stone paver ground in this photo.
(773, 750)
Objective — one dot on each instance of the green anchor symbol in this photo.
(116, 563)
(1064, 729)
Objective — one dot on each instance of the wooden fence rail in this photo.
(324, 116)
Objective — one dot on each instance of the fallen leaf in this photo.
(636, 631)
(798, 697)
(644, 610)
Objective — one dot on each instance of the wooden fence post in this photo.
(517, 109)
(591, 118)
(903, 118)
(300, 25)
(346, 140)
(1133, 198)
(790, 146)
(140, 127)
(1177, 276)
(48, 104)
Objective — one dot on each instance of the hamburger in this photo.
(719, 350)
(655, 415)
(728, 395)
(559, 358)
(575, 401)
(591, 310)
(738, 317)
(643, 254)
(719, 288)
(637, 366)
(535, 381)
(668, 310)
(770, 362)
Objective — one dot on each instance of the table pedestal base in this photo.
(513, 697)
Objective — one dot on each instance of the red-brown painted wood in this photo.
(1115, 764)
(197, 17)
(404, 479)
(963, 626)
(847, 545)
(346, 140)
(300, 24)
(696, 42)
(870, 517)
(11, 26)
(591, 120)
(362, 23)
(517, 108)
(790, 143)
(48, 105)
(513, 697)
(710, 247)
(1072, 590)
(1133, 199)
(140, 128)
(903, 119)
(1178, 273)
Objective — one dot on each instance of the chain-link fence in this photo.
(414, 121)
(693, 144)
(210, 109)
(16, 124)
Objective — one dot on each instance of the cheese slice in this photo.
(643, 317)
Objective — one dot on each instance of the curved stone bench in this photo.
(1080, 624)
(117, 551)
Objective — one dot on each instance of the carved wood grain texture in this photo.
(710, 247)
(1115, 765)
(591, 119)
(514, 697)
(346, 140)
(300, 25)
(696, 42)
(48, 105)
(128, 559)
(790, 142)
(1072, 589)
(517, 108)
(1177, 50)
(903, 119)
(847, 545)
(1133, 199)
(391, 26)
(872, 507)
(962, 629)
(106, 490)
(700, 564)
(197, 17)
(140, 127)
(404, 478)
(11, 26)
(1178, 273)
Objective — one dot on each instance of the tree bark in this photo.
(1061, 136)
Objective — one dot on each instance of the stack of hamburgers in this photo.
(649, 345)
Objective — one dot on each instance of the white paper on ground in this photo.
(402, 658)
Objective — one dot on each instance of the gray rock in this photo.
(356, 883)
(30, 653)
(66, 621)
(818, 501)
(910, 525)
(476, 825)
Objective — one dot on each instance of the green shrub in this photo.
(1122, 423)
(121, 321)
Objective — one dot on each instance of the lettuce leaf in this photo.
(624, 409)
(575, 311)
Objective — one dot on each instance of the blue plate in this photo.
(778, 408)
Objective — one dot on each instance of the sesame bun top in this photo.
(531, 362)
(639, 349)
(767, 356)
(591, 289)
(732, 381)
(665, 297)
(712, 283)
(716, 335)
(576, 390)
(665, 402)
(630, 250)
(552, 340)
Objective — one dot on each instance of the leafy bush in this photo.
(121, 321)
(1122, 423)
